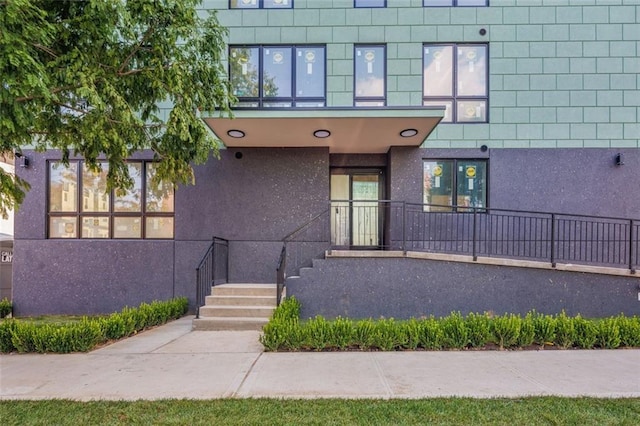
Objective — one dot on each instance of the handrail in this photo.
(281, 274)
(213, 269)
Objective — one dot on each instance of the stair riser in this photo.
(221, 325)
(240, 311)
(239, 291)
(240, 301)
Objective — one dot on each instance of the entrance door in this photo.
(356, 218)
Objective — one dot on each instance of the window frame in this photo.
(455, 98)
(80, 211)
(454, 3)
(455, 208)
(366, 99)
(260, 4)
(356, 6)
(294, 100)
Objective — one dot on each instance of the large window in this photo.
(369, 75)
(455, 3)
(455, 75)
(260, 4)
(369, 3)
(451, 185)
(80, 206)
(278, 76)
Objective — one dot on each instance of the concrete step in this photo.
(241, 300)
(236, 311)
(238, 289)
(225, 323)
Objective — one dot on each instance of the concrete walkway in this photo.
(174, 362)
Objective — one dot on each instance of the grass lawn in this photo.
(442, 411)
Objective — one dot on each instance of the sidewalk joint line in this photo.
(235, 393)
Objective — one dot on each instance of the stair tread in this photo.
(254, 307)
(233, 319)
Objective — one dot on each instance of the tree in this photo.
(86, 77)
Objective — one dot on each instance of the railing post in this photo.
(553, 240)
(404, 227)
(198, 293)
(212, 278)
(329, 216)
(473, 249)
(631, 244)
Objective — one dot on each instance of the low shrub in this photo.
(84, 335)
(285, 331)
(506, 330)
(6, 307)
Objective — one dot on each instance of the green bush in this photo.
(388, 335)
(608, 335)
(454, 331)
(431, 334)
(84, 335)
(545, 327)
(527, 331)
(274, 335)
(565, 331)
(586, 332)
(412, 330)
(506, 330)
(478, 329)
(318, 333)
(341, 333)
(363, 334)
(289, 309)
(6, 307)
(629, 331)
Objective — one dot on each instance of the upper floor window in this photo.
(278, 76)
(452, 185)
(455, 75)
(370, 75)
(369, 3)
(80, 206)
(261, 4)
(455, 3)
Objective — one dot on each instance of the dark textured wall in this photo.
(6, 268)
(404, 288)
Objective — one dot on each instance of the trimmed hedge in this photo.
(285, 332)
(6, 307)
(82, 336)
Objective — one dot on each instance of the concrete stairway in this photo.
(237, 307)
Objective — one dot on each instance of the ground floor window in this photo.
(80, 206)
(453, 184)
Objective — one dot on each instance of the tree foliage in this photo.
(86, 76)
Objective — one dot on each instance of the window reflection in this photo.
(449, 183)
(472, 71)
(132, 199)
(95, 196)
(244, 71)
(310, 72)
(159, 195)
(369, 72)
(370, 3)
(159, 227)
(438, 71)
(63, 187)
(95, 227)
(276, 72)
(63, 227)
(127, 227)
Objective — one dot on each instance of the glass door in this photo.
(356, 218)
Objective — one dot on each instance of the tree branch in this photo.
(126, 61)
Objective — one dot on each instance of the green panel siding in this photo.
(562, 73)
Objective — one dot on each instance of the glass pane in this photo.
(369, 76)
(472, 70)
(310, 104)
(369, 103)
(340, 211)
(95, 197)
(63, 227)
(472, 184)
(472, 2)
(127, 227)
(159, 227)
(243, 62)
(95, 227)
(244, 4)
(438, 185)
(276, 72)
(370, 3)
(438, 71)
(438, 3)
(63, 187)
(277, 104)
(159, 196)
(448, 116)
(247, 105)
(131, 201)
(310, 72)
(472, 111)
(278, 4)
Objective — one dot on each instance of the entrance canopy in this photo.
(343, 131)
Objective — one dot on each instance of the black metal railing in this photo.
(473, 231)
(212, 270)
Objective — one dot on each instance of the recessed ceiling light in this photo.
(235, 133)
(407, 133)
(322, 134)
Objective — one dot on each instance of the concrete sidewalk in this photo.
(174, 362)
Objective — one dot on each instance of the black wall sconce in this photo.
(619, 159)
(23, 160)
